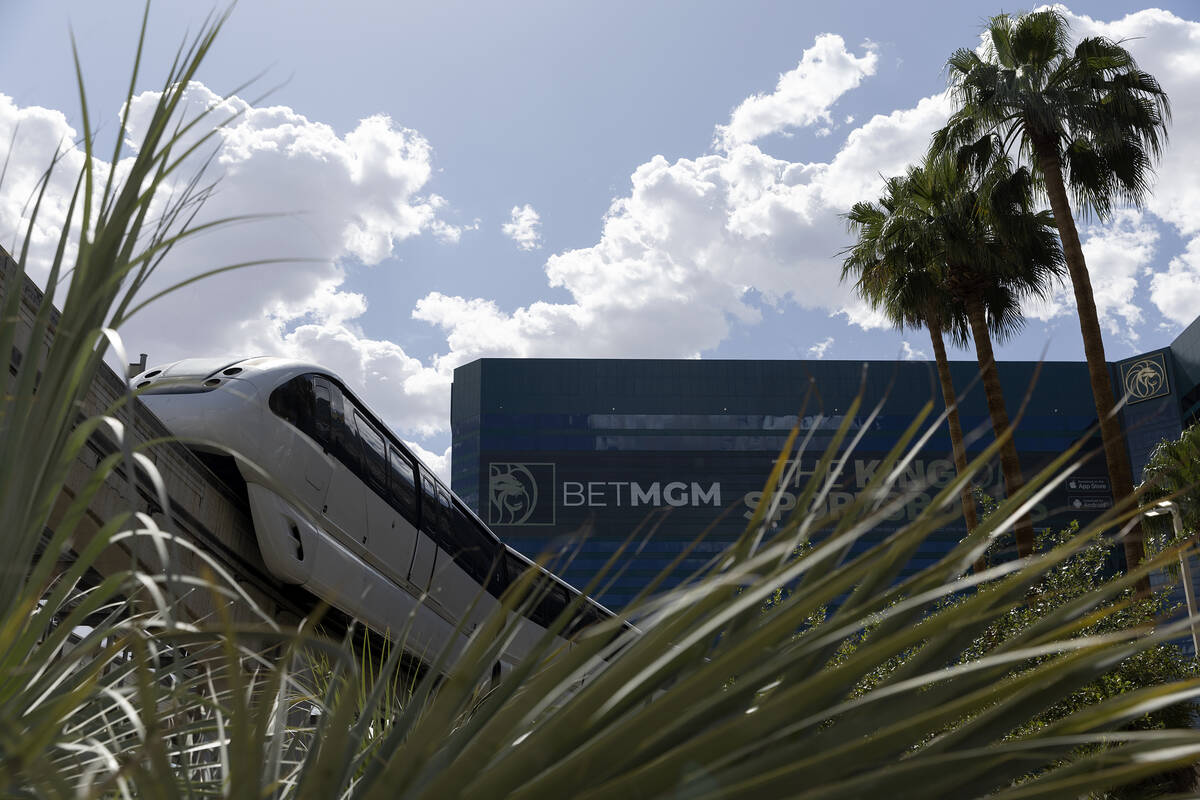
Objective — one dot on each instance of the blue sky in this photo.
(572, 179)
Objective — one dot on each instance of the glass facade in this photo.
(587, 453)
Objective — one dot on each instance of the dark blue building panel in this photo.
(592, 453)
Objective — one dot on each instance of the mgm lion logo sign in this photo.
(520, 494)
(1144, 378)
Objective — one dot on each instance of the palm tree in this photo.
(894, 276)
(993, 251)
(1087, 117)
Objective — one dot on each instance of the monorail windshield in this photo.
(322, 410)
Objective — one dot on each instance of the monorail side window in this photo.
(591, 615)
(294, 402)
(343, 444)
(514, 567)
(374, 452)
(470, 545)
(498, 567)
(554, 602)
(428, 505)
(323, 392)
(552, 597)
(443, 518)
(402, 484)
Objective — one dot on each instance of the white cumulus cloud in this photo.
(523, 227)
(1176, 290)
(345, 200)
(698, 243)
(803, 96)
(911, 353)
(1118, 252)
(678, 256)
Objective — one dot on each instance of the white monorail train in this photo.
(342, 507)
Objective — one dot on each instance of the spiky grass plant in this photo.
(855, 682)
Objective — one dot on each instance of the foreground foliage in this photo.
(1076, 577)
(1173, 473)
(105, 691)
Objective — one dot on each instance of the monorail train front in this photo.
(219, 408)
(213, 403)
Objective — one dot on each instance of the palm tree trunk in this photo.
(950, 398)
(1010, 464)
(1120, 474)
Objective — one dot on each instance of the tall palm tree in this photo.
(894, 276)
(993, 251)
(1086, 117)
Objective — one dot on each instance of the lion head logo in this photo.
(1145, 379)
(512, 494)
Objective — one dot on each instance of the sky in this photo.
(610, 179)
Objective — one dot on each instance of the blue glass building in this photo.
(546, 448)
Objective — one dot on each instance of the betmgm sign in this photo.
(545, 493)
(1144, 378)
(523, 493)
